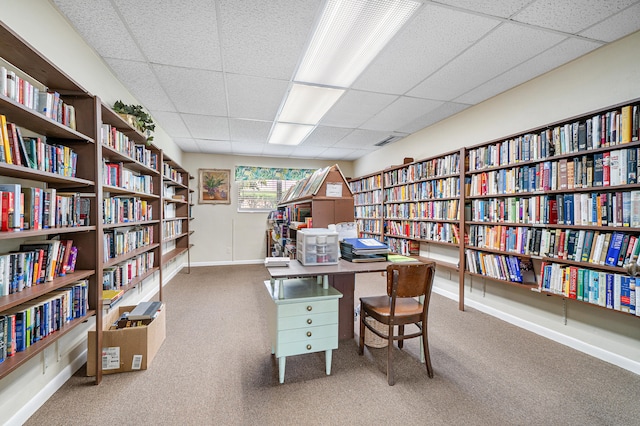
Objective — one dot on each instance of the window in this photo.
(261, 195)
(260, 188)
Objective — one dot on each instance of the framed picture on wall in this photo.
(214, 186)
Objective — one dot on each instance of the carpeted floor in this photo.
(216, 368)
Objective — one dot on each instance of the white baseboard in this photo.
(230, 262)
(47, 391)
(579, 345)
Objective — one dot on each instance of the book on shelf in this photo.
(111, 297)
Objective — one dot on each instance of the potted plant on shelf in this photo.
(137, 117)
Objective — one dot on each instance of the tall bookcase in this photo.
(368, 201)
(131, 186)
(176, 211)
(557, 209)
(70, 138)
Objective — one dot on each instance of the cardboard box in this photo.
(126, 349)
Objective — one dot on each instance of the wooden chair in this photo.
(399, 307)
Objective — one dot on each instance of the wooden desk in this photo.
(341, 276)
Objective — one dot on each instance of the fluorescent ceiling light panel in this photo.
(349, 35)
(289, 134)
(308, 104)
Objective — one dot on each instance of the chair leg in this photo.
(361, 339)
(401, 334)
(390, 377)
(425, 345)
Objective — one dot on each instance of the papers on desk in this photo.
(276, 261)
(363, 250)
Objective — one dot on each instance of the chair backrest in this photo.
(410, 280)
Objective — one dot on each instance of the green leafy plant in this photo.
(143, 120)
(212, 182)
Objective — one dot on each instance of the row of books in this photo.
(173, 174)
(608, 129)
(373, 197)
(172, 228)
(587, 209)
(126, 209)
(425, 190)
(608, 169)
(26, 324)
(23, 208)
(433, 231)
(503, 267)
(373, 211)
(598, 248)
(122, 274)
(402, 246)
(370, 183)
(34, 153)
(609, 290)
(370, 226)
(117, 242)
(35, 263)
(439, 210)
(115, 139)
(116, 174)
(427, 169)
(44, 101)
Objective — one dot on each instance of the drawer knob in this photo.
(308, 347)
(308, 334)
(309, 308)
(309, 321)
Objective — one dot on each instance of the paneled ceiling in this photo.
(213, 74)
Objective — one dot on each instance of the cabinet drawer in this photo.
(299, 348)
(292, 309)
(309, 320)
(308, 333)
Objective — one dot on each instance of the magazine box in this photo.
(127, 349)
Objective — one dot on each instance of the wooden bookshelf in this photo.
(368, 201)
(559, 196)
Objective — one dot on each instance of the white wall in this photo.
(222, 234)
(607, 76)
(36, 21)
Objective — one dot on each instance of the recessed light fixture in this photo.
(348, 36)
(289, 133)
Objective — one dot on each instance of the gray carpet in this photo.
(215, 367)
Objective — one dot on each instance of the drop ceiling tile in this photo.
(254, 33)
(506, 47)
(430, 40)
(207, 126)
(445, 110)
(168, 31)
(571, 17)
(101, 27)
(272, 150)
(142, 83)
(325, 136)
(305, 151)
(560, 54)
(254, 98)
(187, 144)
(247, 148)
(172, 123)
(358, 153)
(501, 8)
(617, 26)
(355, 107)
(249, 130)
(400, 113)
(213, 147)
(361, 139)
(336, 153)
(193, 91)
